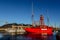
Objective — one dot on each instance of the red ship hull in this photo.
(39, 30)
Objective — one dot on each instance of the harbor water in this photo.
(27, 37)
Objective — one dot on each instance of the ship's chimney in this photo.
(41, 20)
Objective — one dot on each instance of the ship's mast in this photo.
(32, 15)
(47, 18)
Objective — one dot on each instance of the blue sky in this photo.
(20, 11)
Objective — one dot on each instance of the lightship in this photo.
(41, 29)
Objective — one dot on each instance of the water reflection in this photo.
(1, 35)
(58, 36)
(27, 37)
(41, 37)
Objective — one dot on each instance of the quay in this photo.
(14, 28)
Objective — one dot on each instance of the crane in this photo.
(3, 22)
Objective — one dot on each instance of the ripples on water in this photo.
(27, 37)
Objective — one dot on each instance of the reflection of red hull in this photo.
(36, 36)
(39, 37)
(39, 30)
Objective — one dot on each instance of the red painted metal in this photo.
(39, 30)
(42, 29)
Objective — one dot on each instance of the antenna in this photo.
(55, 25)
